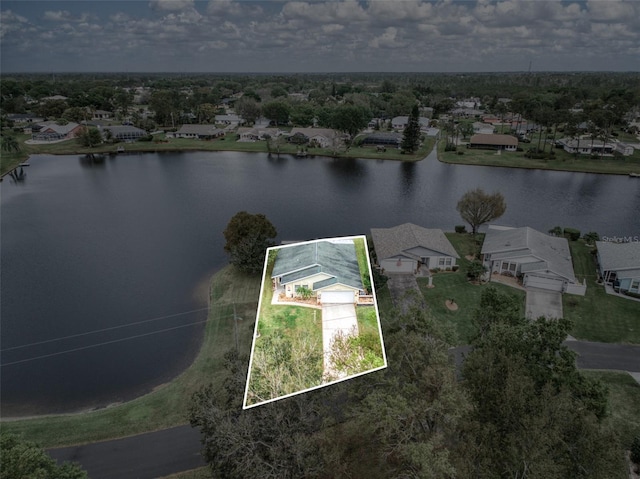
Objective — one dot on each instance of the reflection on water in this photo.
(90, 246)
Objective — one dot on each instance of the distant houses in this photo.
(125, 133)
(199, 132)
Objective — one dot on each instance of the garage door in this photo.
(543, 283)
(337, 297)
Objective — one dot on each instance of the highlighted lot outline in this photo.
(318, 322)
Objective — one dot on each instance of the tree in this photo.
(277, 111)
(534, 414)
(411, 134)
(248, 109)
(10, 144)
(274, 440)
(477, 207)
(248, 236)
(25, 459)
(350, 119)
(89, 137)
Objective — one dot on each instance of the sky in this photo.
(319, 36)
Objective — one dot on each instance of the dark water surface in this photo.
(91, 247)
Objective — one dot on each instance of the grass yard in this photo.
(167, 405)
(624, 403)
(563, 162)
(599, 316)
(454, 285)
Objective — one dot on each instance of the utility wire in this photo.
(102, 330)
(108, 342)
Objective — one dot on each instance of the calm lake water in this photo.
(97, 247)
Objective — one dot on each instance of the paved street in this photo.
(146, 456)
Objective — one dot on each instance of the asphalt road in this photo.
(146, 456)
(165, 452)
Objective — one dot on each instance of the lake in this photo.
(95, 253)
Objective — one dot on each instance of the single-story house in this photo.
(400, 122)
(329, 268)
(408, 248)
(543, 261)
(586, 146)
(320, 137)
(383, 138)
(24, 118)
(124, 132)
(483, 128)
(624, 149)
(493, 142)
(467, 112)
(230, 119)
(51, 131)
(619, 265)
(200, 132)
(257, 133)
(101, 115)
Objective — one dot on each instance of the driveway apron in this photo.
(545, 303)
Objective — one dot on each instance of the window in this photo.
(635, 285)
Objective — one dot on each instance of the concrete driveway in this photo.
(336, 318)
(541, 302)
(399, 286)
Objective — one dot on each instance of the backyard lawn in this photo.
(599, 316)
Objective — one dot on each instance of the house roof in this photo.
(514, 242)
(491, 139)
(124, 129)
(618, 256)
(335, 258)
(60, 129)
(199, 130)
(390, 242)
(311, 132)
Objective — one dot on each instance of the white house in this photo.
(400, 122)
(409, 248)
(483, 128)
(321, 137)
(619, 265)
(200, 132)
(542, 261)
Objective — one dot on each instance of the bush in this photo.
(572, 234)
(146, 138)
(635, 449)
(460, 152)
(450, 147)
(461, 229)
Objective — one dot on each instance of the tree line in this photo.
(517, 407)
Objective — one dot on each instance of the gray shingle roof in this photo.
(555, 251)
(199, 130)
(337, 259)
(618, 256)
(390, 242)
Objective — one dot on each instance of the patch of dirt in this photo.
(451, 306)
(470, 257)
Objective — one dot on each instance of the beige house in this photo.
(493, 142)
(409, 248)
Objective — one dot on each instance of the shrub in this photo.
(460, 152)
(572, 234)
(461, 229)
(591, 237)
(450, 147)
(455, 267)
(555, 231)
(635, 449)
(146, 138)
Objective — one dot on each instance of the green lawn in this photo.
(563, 162)
(167, 405)
(599, 316)
(624, 403)
(454, 285)
(226, 143)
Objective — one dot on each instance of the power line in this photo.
(108, 342)
(102, 330)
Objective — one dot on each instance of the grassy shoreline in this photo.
(563, 161)
(168, 404)
(226, 143)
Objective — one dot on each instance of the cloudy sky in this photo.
(319, 36)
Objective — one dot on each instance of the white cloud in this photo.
(387, 40)
(57, 16)
(171, 5)
(325, 12)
